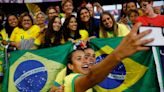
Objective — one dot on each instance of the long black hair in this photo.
(9, 28)
(51, 33)
(92, 29)
(67, 31)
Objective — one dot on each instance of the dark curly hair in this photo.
(67, 31)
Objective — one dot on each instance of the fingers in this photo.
(142, 34)
(137, 40)
(124, 20)
(143, 42)
(136, 27)
(136, 37)
(143, 48)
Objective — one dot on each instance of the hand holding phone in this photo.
(157, 33)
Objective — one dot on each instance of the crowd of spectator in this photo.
(53, 28)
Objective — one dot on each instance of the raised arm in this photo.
(132, 42)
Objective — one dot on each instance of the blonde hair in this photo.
(36, 15)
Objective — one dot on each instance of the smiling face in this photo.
(56, 24)
(72, 24)
(26, 22)
(80, 63)
(13, 21)
(107, 21)
(84, 15)
(68, 7)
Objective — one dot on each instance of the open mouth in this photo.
(13, 23)
(85, 66)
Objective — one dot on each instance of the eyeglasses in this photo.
(144, 5)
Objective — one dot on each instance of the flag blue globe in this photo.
(115, 78)
(30, 76)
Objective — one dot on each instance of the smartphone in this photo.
(157, 33)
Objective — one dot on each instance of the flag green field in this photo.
(134, 74)
(35, 70)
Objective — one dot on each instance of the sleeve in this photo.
(37, 41)
(13, 34)
(36, 30)
(4, 34)
(122, 30)
(69, 82)
(37, 36)
(60, 77)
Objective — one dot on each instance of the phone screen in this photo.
(157, 33)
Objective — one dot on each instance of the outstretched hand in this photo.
(57, 89)
(60, 89)
(132, 43)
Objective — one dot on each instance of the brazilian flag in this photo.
(134, 74)
(34, 71)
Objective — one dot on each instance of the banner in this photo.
(158, 53)
(34, 71)
(162, 58)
